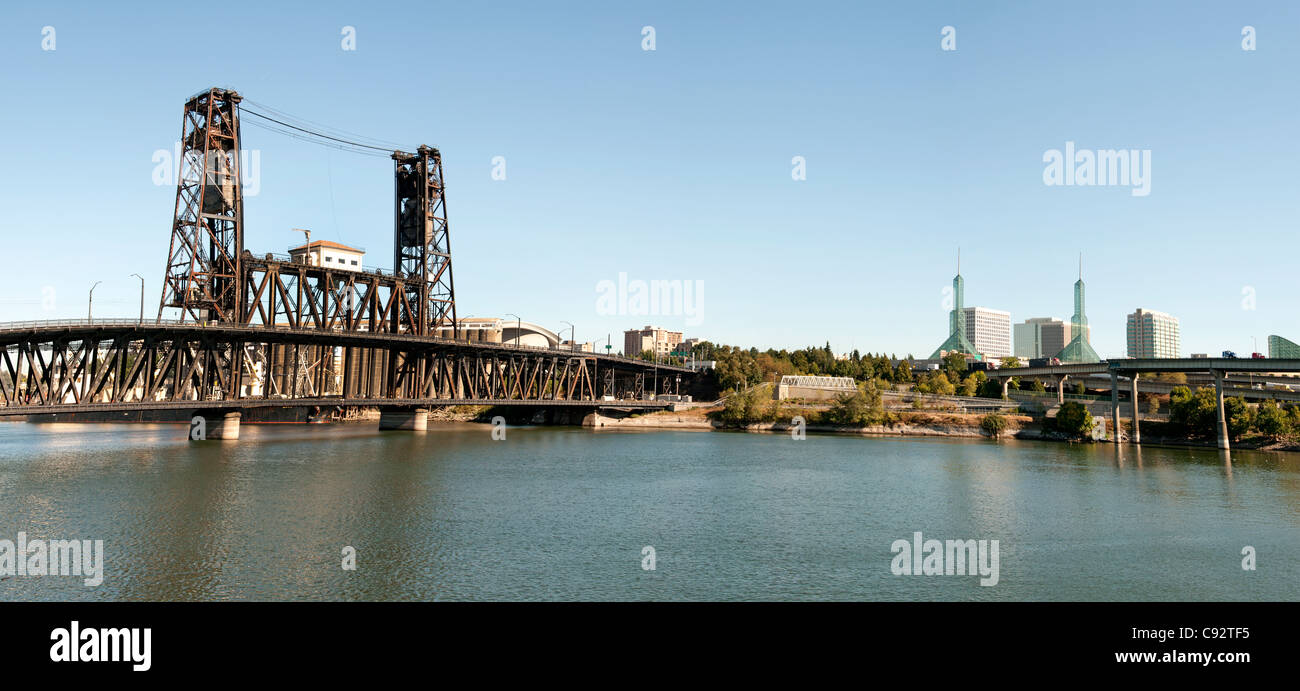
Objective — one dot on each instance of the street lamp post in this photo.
(141, 296)
(519, 327)
(91, 302)
(573, 337)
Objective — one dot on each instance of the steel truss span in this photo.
(166, 366)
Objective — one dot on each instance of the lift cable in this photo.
(321, 127)
(312, 140)
(311, 133)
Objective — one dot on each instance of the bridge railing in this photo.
(44, 323)
(55, 323)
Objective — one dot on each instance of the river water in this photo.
(566, 514)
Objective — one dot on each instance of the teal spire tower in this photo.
(1078, 350)
(956, 319)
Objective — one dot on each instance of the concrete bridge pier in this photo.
(1137, 428)
(1222, 425)
(1060, 388)
(1006, 386)
(214, 424)
(1114, 406)
(410, 419)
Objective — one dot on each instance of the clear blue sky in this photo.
(676, 163)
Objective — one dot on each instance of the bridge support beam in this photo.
(1137, 429)
(1006, 386)
(410, 419)
(1060, 388)
(1114, 406)
(214, 424)
(1222, 422)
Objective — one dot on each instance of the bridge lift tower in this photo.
(205, 278)
(421, 243)
(203, 275)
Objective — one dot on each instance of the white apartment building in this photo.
(989, 330)
(1152, 334)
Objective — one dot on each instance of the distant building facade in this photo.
(989, 330)
(1152, 334)
(657, 340)
(1040, 337)
(1279, 347)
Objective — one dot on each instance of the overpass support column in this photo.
(1060, 388)
(214, 424)
(410, 419)
(1006, 385)
(1114, 406)
(1222, 425)
(1137, 430)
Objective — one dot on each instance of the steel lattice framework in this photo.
(422, 244)
(158, 366)
(203, 275)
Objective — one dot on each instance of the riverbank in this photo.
(904, 424)
(922, 424)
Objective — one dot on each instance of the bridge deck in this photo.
(13, 332)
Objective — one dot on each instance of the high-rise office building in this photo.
(1040, 337)
(989, 330)
(1152, 334)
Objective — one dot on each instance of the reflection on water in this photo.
(563, 513)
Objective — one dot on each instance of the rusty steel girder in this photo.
(301, 296)
(152, 365)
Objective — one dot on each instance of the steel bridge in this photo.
(270, 331)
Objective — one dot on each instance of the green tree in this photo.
(969, 385)
(742, 407)
(1272, 421)
(954, 364)
(1239, 414)
(936, 382)
(1011, 362)
(861, 408)
(1193, 412)
(903, 373)
(989, 389)
(993, 425)
(1074, 419)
